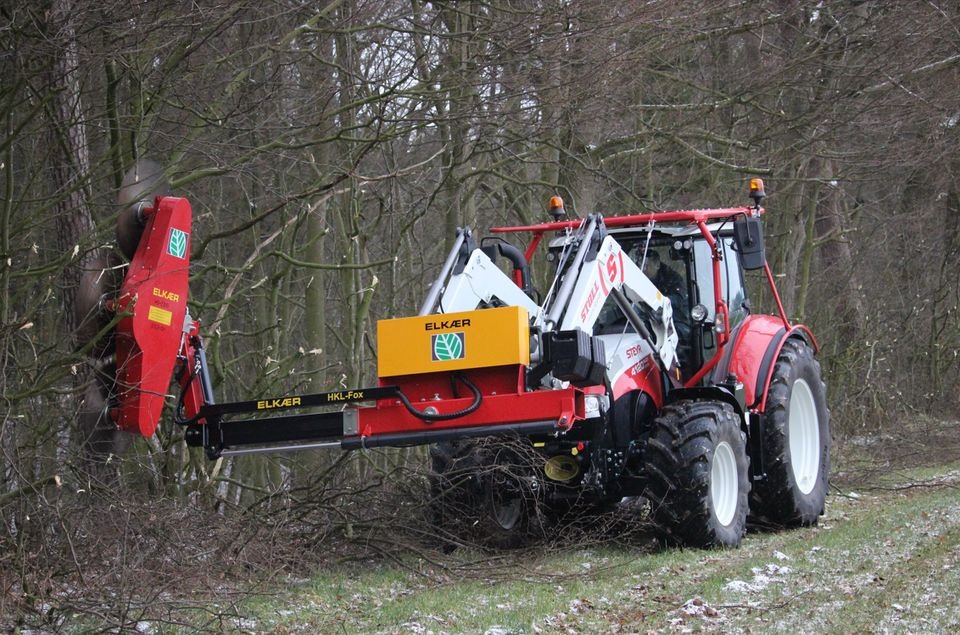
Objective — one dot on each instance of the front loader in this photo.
(607, 385)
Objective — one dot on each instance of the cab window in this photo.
(731, 281)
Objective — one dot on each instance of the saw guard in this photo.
(153, 303)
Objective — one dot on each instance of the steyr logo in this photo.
(177, 246)
(447, 347)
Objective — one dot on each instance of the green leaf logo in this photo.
(178, 243)
(447, 346)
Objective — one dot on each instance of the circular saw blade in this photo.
(141, 184)
(99, 279)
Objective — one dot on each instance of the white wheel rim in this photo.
(724, 488)
(804, 437)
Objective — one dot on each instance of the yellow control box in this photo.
(453, 341)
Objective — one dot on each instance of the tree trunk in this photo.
(96, 434)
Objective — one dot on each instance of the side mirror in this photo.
(748, 235)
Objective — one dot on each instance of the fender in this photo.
(750, 423)
(643, 376)
(711, 393)
(754, 352)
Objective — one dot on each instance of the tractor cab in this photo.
(679, 261)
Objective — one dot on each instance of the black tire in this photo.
(481, 492)
(696, 465)
(796, 441)
(449, 483)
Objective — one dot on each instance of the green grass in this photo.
(887, 559)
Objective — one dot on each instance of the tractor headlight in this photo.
(698, 313)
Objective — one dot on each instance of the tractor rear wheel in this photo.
(696, 467)
(796, 441)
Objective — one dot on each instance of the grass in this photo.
(885, 558)
(886, 561)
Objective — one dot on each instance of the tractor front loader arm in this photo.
(611, 273)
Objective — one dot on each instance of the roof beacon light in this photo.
(556, 208)
(757, 193)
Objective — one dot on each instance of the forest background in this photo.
(330, 149)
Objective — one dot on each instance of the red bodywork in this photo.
(153, 302)
(505, 400)
(755, 348)
(644, 376)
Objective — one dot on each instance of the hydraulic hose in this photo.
(428, 417)
(178, 417)
(425, 416)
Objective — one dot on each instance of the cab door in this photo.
(732, 289)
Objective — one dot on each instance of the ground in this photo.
(884, 558)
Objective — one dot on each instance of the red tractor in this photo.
(640, 372)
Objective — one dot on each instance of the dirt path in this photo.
(884, 560)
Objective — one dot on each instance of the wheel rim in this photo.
(724, 488)
(506, 510)
(804, 437)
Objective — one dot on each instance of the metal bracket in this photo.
(351, 422)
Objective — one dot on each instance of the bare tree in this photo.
(330, 150)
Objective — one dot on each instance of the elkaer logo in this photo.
(447, 346)
(177, 246)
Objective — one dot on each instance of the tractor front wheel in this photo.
(796, 441)
(696, 469)
(482, 491)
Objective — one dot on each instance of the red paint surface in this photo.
(147, 345)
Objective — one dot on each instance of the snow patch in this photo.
(696, 607)
(762, 578)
